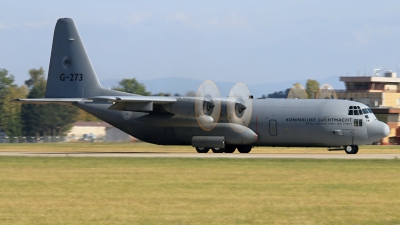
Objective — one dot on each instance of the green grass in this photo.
(41, 190)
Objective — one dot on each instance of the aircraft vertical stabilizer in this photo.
(71, 74)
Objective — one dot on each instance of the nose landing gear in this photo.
(351, 149)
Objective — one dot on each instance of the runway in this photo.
(196, 155)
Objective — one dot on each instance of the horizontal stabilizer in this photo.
(66, 101)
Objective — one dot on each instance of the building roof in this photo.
(370, 79)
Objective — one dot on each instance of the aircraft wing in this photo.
(159, 100)
(124, 103)
(134, 103)
(42, 101)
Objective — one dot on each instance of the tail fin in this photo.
(71, 74)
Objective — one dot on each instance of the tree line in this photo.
(31, 119)
(43, 119)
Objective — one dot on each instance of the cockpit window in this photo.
(370, 111)
(356, 110)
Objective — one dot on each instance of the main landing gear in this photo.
(227, 149)
(351, 149)
(202, 149)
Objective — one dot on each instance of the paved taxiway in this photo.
(196, 155)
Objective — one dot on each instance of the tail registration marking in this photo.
(78, 77)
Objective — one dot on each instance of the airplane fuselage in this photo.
(277, 122)
(205, 121)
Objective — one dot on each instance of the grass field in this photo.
(146, 147)
(69, 190)
(41, 190)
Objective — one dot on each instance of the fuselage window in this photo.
(358, 123)
(366, 116)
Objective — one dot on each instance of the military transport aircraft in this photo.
(206, 121)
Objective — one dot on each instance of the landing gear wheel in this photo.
(202, 149)
(351, 149)
(244, 149)
(218, 150)
(230, 149)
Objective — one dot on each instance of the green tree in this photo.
(5, 81)
(37, 78)
(50, 119)
(278, 94)
(312, 87)
(132, 86)
(10, 120)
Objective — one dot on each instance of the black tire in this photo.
(202, 149)
(217, 150)
(244, 149)
(230, 149)
(351, 149)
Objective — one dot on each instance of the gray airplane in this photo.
(206, 121)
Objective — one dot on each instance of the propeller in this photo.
(297, 92)
(239, 107)
(207, 105)
(326, 92)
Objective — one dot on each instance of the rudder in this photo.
(71, 74)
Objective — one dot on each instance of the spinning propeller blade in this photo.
(326, 92)
(207, 105)
(297, 92)
(239, 107)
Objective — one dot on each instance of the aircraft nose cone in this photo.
(377, 130)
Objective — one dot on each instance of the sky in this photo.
(238, 41)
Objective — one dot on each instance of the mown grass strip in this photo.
(40, 190)
(146, 147)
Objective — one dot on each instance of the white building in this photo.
(97, 131)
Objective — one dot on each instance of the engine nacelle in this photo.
(182, 107)
(208, 141)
